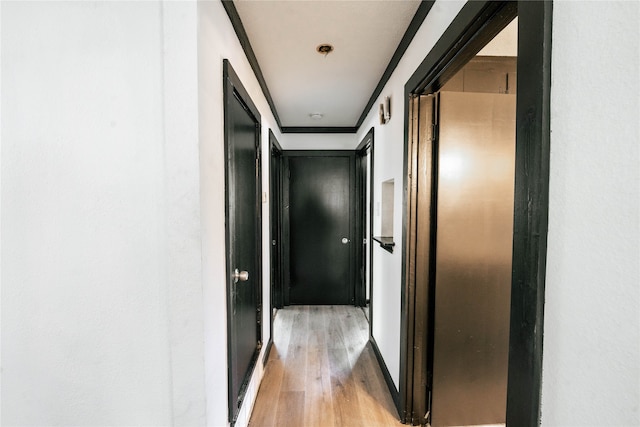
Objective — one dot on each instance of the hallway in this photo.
(117, 283)
(322, 372)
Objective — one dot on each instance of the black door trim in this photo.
(233, 89)
(365, 147)
(477, 23)
(531, 210)
(275, 234)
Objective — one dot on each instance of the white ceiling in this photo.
(284, 36)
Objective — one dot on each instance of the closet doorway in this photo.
(476, 199)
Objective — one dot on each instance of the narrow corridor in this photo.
(323, 372)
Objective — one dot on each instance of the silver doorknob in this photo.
(240, 276)
(345, 240)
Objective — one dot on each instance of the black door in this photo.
(321, 186)
(243, 231)
(275, 168)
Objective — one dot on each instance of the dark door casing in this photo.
(243, 231)
(364, 219)
(321, 228)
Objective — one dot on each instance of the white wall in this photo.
(90, 182)
(319, 141)
(182, 216)
(591, 355)
(388, 164)
(217, 41)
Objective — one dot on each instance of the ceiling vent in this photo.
(324, 49)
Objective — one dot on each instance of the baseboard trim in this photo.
(395, 395)
(267, 351)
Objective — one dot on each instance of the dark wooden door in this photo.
(243, 231)
(275, 169)
(321, 228)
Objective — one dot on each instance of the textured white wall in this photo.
(183, 257)
(389, 140)
(84, 304)
(591, 370)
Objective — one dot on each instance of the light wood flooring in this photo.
(322, 372)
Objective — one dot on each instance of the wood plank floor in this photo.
(322, 372)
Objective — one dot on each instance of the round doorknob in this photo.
(345, 240)
(240, 276)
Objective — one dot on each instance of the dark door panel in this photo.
(276, 222)
(243, 231)
(320, 229)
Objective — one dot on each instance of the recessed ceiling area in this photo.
(285, 36)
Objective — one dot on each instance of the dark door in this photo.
(243, 231)
(276, 221)
(321, 226)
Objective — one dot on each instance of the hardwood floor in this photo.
(322, 372)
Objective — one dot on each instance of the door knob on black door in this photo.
(240, 276)
(345, 240)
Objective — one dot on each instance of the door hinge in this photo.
(427, 416)
(434, 132)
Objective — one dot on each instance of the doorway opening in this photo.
(321, 219)
(475, 238)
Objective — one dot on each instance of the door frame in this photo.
(287, 154)
(233, 88)
(366, 147)
(476, 24)
(275, 235)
